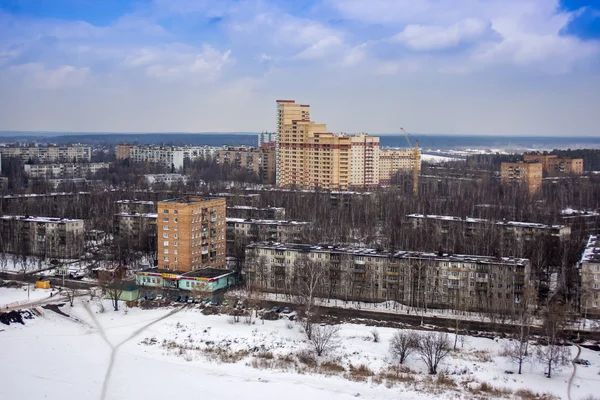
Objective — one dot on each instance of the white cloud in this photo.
(432, 37)
(38, 76)
(178, 61)
(322, 48)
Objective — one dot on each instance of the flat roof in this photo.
(191, 199)
(591, 253)
(208, 272)
(399, 254)
(481, 220)
(263, 221)
(40, 219)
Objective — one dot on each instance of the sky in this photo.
(498, 67)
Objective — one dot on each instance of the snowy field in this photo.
(181, 353)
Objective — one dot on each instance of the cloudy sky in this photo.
(515, 67)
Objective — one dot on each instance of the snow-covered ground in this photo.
(20, 295)
(181, 354)
(432, 158)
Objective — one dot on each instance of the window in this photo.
(165, 235)
(166, 211)
(166, 219)
(165, 258)
(175, 259)
(175, 243)
(175, 220)
(499, 286)
(166, 251)
(175, 236)
(166, 243)
(175, 212)
(175, 251)
(166, 227)
(595, 277)
(595, 286)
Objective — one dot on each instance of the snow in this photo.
(56, 357)
(10, 296)
(436, 159)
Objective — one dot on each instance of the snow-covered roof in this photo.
(591, 253)
(134, 214)
(263, 221)
(481, 220)
(46, 220)
(135, 202)
(400, 254)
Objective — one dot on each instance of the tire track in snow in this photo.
(574, 372)
(115, 348)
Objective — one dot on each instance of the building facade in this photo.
(589, 272)
(556, 166)
(42, 236)
(191, 233)
(80, 170)
(46, 154)
(392, 161)
(170, 156)
(254, 230)
(136, 206)
(415, 279)
(134, 225)
(310, 157)
(241, 157)
(165, 179)
(529, 174)
(205, 280)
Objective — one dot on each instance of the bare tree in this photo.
(433, 348)
(403, 343)
(70, 293)
(518, 350)
(554, 353)
(324, 338)
(309, 279)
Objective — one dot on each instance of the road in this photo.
(347, 314)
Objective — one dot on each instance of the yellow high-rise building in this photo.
(310, 157)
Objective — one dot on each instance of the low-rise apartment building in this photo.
(42, 236)
(130, 225)
(170, 156)
(526, 231)
(45, 154)
(165, 179)
(265, 230)
(589, 272)
(241, 157)
(136, 206)
(529, 174)
(256, 212)
(415, 279)
(80, 170)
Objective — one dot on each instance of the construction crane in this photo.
(416, 157)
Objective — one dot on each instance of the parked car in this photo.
(159, 297)
(214, 302)
(286, 310)
(225, 303)
(206, 301)
(190, 300)
(275, 309)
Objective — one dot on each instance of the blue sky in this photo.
(516, 67)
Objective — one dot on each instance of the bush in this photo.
(307, 359)
(375, 334)
(359, 373)
(331, 368)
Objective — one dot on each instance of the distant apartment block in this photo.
(129, 225)
(136, 206)
(416, 279)
(165, 179)
(80, 170)
(554, 165)
(42, 236)
(589, 271)
(46, 154)
(265, 230)
(255, 212)
(267, 137)
(169, 156)
(473, 227)
(392, 161)
(260, 161)
(529, 174)
(191, 233)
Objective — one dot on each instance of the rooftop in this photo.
(134, 214)
(208, 273)
(263, 221)
(481, 220)
(399, 254)
(190, 199)
(591, 254)
(51, 220)
(135, 202)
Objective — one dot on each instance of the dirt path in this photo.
(574, 372)
(115, 348)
